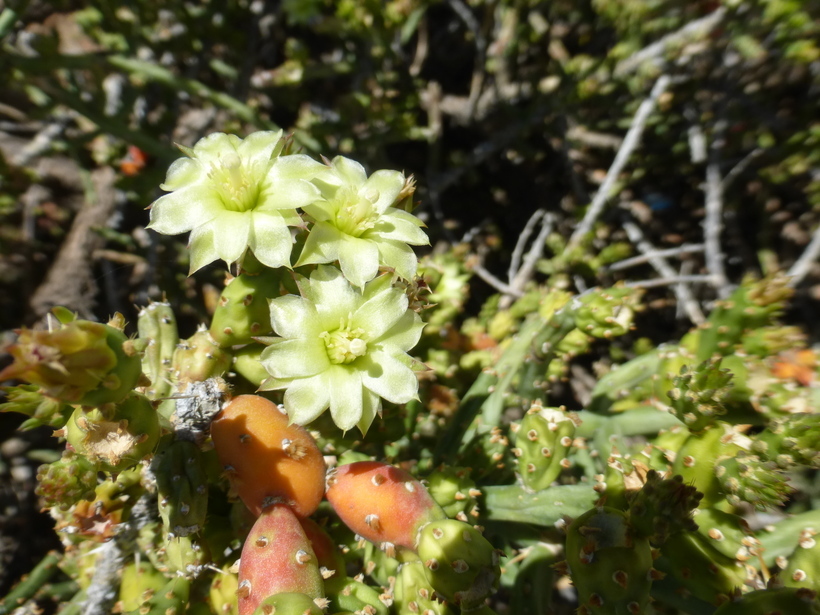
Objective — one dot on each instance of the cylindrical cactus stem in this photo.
(222, 592)
(745, 477)
(117, 436)
(266, 460)
(699, 395)
(182, 488)
(610, 566)
(157, 327)
(78, 362)
(381, 503)
(802, 568)
(413, 594)
(199, 358)
(663, 507)
(248, 364)
(696, 457)
(170, 599)
(138, 584)
(243, 312)
(459, 562)
(608, 312)
(288, 603)
(542, 442)
(783, 600)
(346, 594)
(456, 493)
(277, 557)
(791, 440)
(66, 481)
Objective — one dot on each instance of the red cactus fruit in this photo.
(267, 460)
(381, 503)
(330, 560)
(277, 557)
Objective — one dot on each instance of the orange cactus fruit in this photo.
(267, 460)
(277, 557)
(381, 503)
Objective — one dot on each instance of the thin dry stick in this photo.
(741, 166)
(493, 281)
(801, 267)
(523, 238)
(680, 280)
(687, 248)
(523, 274)
(633, 137)
(697, 29)
(682, 292)
(712, 227)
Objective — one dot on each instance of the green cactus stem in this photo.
(199, 358)
(26, 588)
(778, 601)
(802, 568)
(242, 312)
(610, 566)
(413, 593)
(791, 440)
(745, 477)
(138, 584)
(346, 594)
(454, 490)
(544, 508)
(182, 488)
(698, 394)
(543, 439)
(77, 362)
(42, 410)
(117, 436)
(157, 327)
(170, 599)
(222, 592)
(66, 481)
(460, 564)
(663, 507)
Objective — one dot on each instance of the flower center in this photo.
(237, 184)
(344, 345)
(357, 212)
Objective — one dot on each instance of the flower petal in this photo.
(371, 408)
(211, 146)
(379, 313)
(184, 210)
(295, 358)
(270, 239)
(389, 377)
(388, 184)
(400, 225)
(332, 295)
(232, 230)
(404, 334)
(181, 172)
(260, 147)
(349, 171)
(398, 255)
(294, 317)
(359, 259)
(307, 398)
(201, 247)
(321, 245)
(345, 384)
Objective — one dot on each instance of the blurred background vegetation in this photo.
(502, 109)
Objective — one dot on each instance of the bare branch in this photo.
(712, 227)
(493, 281)
(801, 267)
(690, 248)
(633, 136)
(523, 238)
(680, 280)
(741, 166)
(669, 275)
(694, 30)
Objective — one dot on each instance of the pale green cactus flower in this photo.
(358, 224)
(234, 194)
(342, 348)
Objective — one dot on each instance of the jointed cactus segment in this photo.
(157, 327)
(277, 557)
(381, 503)
(542, 442)
(170, 599)
(288, 603)
(67, 480)
(139, 582)
(610, 566)
(346, 594)
(791, 440)
(460, 564)
(803, 567)
(182, 488)
(115, 435)
(243, 312)
(697, 399)
(780, 601)
(413, 593)
(663, 507)
(199, 358)
(454, 490)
